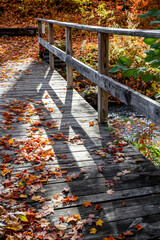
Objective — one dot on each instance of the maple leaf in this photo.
(99, 223)
(37, 198)
(57, 174)
(128, 233)
(98, 207)
(46, 210)
(56, 196)
(126, 172)
(68, 179)
(100, 169)
(87, 204)
(139, 227)
(110, 191)
(91, 123)
(89, 221)
(109, 238)
(10, 141)
(72, 219)
(69, 199)
(43, 223)
(121, 237)
(109, 183)
(61, 219)
(93, 231)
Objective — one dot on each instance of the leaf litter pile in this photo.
(26, 168)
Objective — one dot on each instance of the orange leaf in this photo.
(10, 141)
(72, 219)
(91, 123)
(87, 204)
(121, 236)
(64, 172)
(128, 233)
(68, 179)
(98, 207)
(110, 238)
(56, 196)
(139, 227)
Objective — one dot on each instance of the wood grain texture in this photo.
(117, 31)
(139, 189)
(51, 41)
(103, 64)
(140, 103)
(69, 51)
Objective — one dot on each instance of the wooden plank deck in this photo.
(136, 181)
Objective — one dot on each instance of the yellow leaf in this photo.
(93, 231)
(23, 195)
(23, 218)
(99, 223)
(36, 198)
(10, 141)
(16, 228)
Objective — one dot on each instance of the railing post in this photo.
(69, 51)
(103, 61)
(51, 41)
(39, 33)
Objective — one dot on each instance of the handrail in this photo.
(117, 31)
(139, 102)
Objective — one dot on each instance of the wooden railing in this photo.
(146, 106)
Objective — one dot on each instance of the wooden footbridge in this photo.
(104, 187)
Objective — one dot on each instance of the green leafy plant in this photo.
(152, 60)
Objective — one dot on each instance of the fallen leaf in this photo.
(91, 123)
(128, 233)
(100, 169)
(93, 231)
(87, 204)
(139, 227)
(109, 183)
(110, 191)
(61, 226)
(121, 237)
(109, 238)
(99, 223)
(72, 219)
(23, 218)
(98, 207)
(56, 196)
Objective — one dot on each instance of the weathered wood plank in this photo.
(69, 51)
(117, 31)
(140, 189)
(103, 64)
(146, 106)
(51, 41)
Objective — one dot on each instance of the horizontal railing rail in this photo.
(142, 104)
(117, 31)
